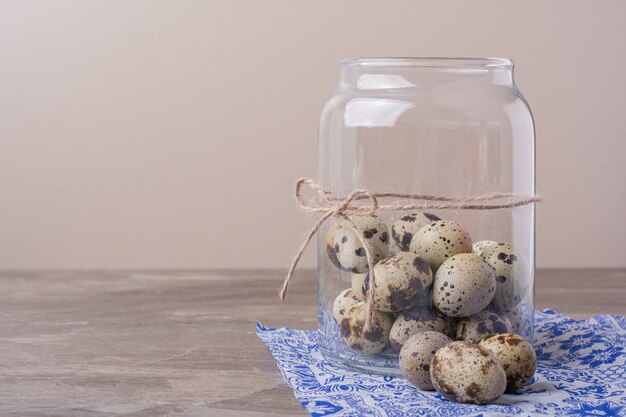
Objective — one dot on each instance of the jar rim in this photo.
(428, 62)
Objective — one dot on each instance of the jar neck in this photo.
(404, 73)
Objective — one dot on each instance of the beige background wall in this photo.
(169, 134)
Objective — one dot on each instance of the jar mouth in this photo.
(428, 62)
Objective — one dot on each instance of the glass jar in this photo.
(448, 127)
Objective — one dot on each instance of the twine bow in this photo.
(345, 208)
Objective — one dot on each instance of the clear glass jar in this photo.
(453, 127)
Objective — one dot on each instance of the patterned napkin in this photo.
(581, 372)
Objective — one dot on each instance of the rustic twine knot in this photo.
(346, 208)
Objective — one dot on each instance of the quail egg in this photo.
(520, 317)
(416, 320)
(516, 356)
(479, 247)
(405, 227)
(349, 249)
(416, 355)
(329, 243)
(393, 248)
(372, 341)
(473, 328)
(344, 302)
(439, 241)
(467, 373)
(464, 285)
(508, 266)
(403, 280)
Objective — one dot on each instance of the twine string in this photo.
(345, 208)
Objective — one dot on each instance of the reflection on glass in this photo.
(374, 112)
(382, 82)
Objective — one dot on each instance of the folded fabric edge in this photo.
(260, 331)
(616, 321)
(261, 328)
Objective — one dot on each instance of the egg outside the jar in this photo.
(416, 355)
(371, 341)
(464, 285)
(349, 250)
(403, 280)
(467, 373)
(515, 354)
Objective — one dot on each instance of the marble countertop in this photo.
(182, 343)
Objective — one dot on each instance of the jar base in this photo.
(389, 366)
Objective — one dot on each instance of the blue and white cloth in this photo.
(581, 372)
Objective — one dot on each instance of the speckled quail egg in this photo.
(475, 327)
(404, 228)
(520, 317)
(508, 265)
(394, 248)
(403, 280)
(416, 355)
(439, 241)
(329, 243)
(417, 320)
(464, 285)
(372, 341)
(516, 356)
(348, 248)
(358, 286)
(467, 373)
(479, 247)
(343, 303)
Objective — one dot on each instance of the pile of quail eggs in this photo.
(433, 286)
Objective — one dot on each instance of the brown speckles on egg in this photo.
(516, 356)
(473, 390)
(439, 241)
(421, 265)
(431, 217)
(399, 283)
(369, 233)
(406, 240)
(463, 285)
(465, 372)
(416, 355)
